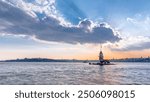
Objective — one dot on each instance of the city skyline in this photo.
(73, 29)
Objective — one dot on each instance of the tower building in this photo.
(101, 55)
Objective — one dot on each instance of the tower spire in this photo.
(100, 47)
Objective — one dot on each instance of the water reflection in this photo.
(74, 73)
(106, 75)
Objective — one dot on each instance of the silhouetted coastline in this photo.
(40, 60)
(75, 60)
(132, 60)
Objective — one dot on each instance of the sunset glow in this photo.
(74, 29)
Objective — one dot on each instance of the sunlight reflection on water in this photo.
(73, 73)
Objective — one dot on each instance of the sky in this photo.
(74, 29)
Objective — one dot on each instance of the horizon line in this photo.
(71, 58)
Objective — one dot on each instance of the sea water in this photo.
(48, 73)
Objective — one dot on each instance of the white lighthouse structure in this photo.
(102, 61)
(101, 55)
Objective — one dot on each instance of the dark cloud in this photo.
(17, 21)
(131, 44)
(135, 47)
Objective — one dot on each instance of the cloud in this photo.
(135, 33)
(42, 21)
(140, 22)
(138, 25)
(131, 44)
(70, 10)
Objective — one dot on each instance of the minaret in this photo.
(101, 56)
